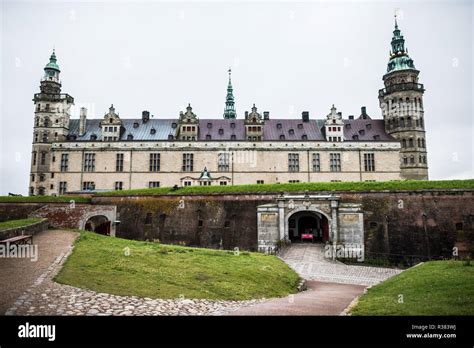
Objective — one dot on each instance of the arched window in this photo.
(412, 159)
(422, 142)
(46, 122)
(45, 137)
(410, 142)
(404, 143)
(402, 122)
(37, 121)
(421, 121)
(419, 142)
(409, 124)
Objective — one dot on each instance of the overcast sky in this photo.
(286, 57)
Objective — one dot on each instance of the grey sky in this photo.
(286, 57)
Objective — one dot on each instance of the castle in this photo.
(115, 153)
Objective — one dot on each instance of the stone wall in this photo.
(24, 230)
(17, 211)
(394, 222)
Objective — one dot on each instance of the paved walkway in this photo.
(319, 299)
(26, 288)
(308, 261)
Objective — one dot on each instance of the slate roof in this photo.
(359, 129)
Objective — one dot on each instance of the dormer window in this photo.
(209, 125)
(355, 137)
(362, 132)
(291, 131)
(152, 131)
(111, 120)
(232, 137)
(232, 125)
(368, 126)
(221, 131)
(348, 126)
(304, 137)
(173, 125)
(170, 137)
(93, 137)
(135, 124)
(279, 125)
(300, 126)
(130, 137)
(208, 137)
(376, 137)
(282, 137)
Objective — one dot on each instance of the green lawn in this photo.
(314, 186)
(43, 199)
(432, 288)
(18, 223)
(163, 271)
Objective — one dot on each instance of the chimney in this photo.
(363, 111)
(305, 116)
(351, 117)
(145, 116)
(266, 115)
(82, 121)
(246, 114)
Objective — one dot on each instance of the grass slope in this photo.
(18, 223)
(164, 271)
(313, 186)
(433, 288)
(43, 199)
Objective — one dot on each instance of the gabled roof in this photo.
(292, 129)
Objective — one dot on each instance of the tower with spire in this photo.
(401, 102)
(229, 111)
(51, 123)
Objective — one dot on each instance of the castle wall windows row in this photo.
(218, 161)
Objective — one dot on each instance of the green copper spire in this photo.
(399, 59)
(52, 62)
(229, 111)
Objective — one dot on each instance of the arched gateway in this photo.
(323, 217)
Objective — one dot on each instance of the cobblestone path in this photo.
(308, 261)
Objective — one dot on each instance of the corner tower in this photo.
(51, 124)
(401, 102)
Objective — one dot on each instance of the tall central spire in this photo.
(399, 59)
(229, 111)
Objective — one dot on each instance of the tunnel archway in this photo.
(99, 224)
(309, 223)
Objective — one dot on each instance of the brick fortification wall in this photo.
(419, 224)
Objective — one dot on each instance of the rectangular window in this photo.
(188, 162)
(152, 184)
(34, 158)
(119, 162)
(369, 162)
(335, 162)
(64, 162)
(293, 162)
(154, 162)
(118, 185)
(62, 187)
(316, 162)
(223, 183)
(260, 182)
(88, 185)
(223, 162)
(89, 162)
(187, 183)
(43, 158)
